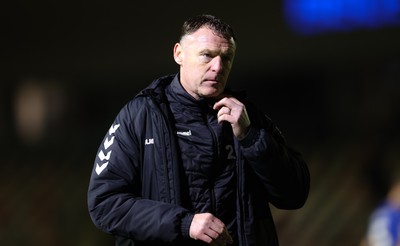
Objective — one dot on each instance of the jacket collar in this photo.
(180, 95)
(158, 87)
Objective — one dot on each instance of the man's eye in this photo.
(206, 57)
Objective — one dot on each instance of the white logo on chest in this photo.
(149, 141)
(188, 133)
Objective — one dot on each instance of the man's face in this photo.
(205, 61)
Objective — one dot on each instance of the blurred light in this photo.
(38, 107)
(30, 112)
(308, 17)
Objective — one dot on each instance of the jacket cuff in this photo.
(251, 137)
(185, 225)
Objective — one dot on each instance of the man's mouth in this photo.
(216, 80)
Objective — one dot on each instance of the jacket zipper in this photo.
(165, 160)
(215, 157)
(240, 223)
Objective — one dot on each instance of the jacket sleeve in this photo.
(280, 169)
(114, 200)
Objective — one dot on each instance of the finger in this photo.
(206, 238)
(213, 238)
(230, 101)
(224, 110)
(210, 218)
(236, 100)
(226, 101)
(226, 117)
(219, 233)
(217, 229)
(217, 224)
(213, 234)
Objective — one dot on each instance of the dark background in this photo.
(69, 66)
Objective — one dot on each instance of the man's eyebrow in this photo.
(230, 52)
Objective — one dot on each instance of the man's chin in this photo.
(211, 93)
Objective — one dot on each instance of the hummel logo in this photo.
(104, 157)
(149, 141)
(100, 169)
(113, 129)
(108, 143)
(188, 133)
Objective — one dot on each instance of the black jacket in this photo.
(135, 187)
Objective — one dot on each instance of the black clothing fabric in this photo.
(149, 180)
(208, 158)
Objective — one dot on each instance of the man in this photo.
(188, 162)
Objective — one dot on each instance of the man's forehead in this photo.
(206, 35)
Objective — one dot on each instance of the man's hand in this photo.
(233, 111)
(208, 228)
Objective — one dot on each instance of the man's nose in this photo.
(217, 64)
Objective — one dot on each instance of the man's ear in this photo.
(178, 53)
